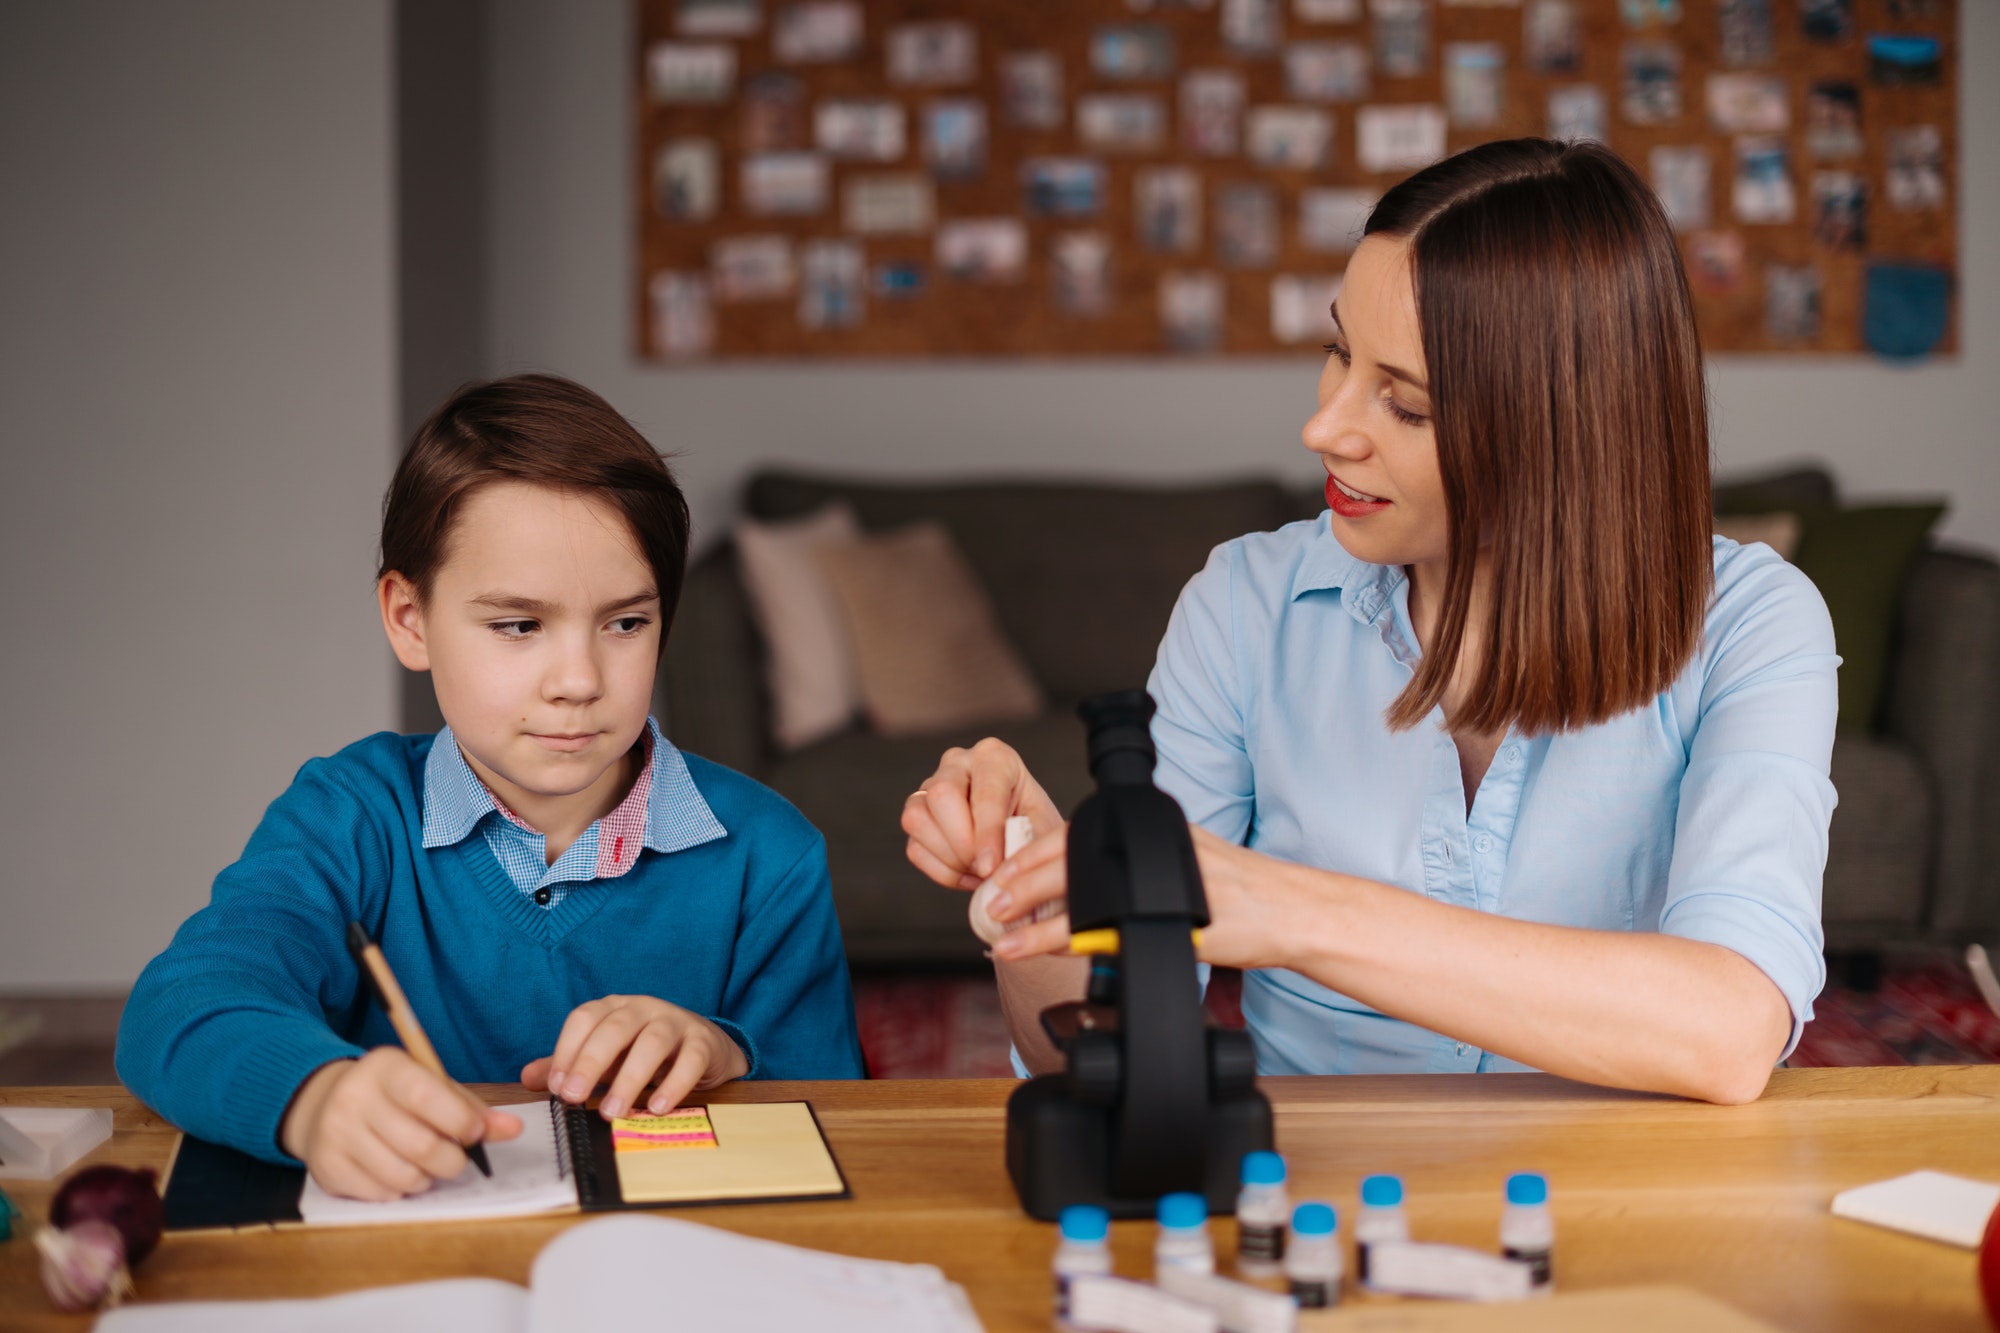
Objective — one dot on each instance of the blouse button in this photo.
(1513, 754)
(542, 897)
(1484, 844)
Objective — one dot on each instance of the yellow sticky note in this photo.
(676, 1131)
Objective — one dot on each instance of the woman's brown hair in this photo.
(1572, 431)
(547, 431)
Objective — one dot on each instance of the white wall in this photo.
(197, 408)
(561, 292)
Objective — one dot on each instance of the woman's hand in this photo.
(957, 821)
(384, 1126)
(651, 1037)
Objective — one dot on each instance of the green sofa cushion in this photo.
(1859, 559)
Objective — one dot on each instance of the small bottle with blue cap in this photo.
(1381, 1218)
(1262, 1209)
(1183, 1240)
(1085, 1247)
(1528, 1228)
(1312, 1260)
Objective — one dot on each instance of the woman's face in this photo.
(1373, 427)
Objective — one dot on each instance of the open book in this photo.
(566, 1159)
(616, 1272)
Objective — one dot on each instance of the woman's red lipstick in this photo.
(1348, 507)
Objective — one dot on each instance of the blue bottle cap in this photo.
(1382, 1191)
(1263, 1168)
(1527, 1187)
(1181, 1211)
(1314, 1219)
(1085, 1222)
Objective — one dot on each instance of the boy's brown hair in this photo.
(1572, 431)
(541, 429)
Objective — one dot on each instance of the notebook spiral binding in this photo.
(565, 1153)
(575, 1158)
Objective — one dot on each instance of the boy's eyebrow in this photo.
(532, 606)
(1393, 372)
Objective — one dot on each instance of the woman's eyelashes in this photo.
(1403, 414)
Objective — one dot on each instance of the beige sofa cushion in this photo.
(809, 665)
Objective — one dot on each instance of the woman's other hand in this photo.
(957, 820)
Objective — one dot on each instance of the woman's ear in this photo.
(403, 621)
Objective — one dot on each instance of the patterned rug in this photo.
(1926, 1011)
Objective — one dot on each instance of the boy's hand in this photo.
(651, 1037)
(384, 1126)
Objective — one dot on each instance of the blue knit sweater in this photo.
(257, 991)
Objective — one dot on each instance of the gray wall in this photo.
(197, 403)
(561, 292)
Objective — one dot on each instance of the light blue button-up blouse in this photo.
(1703, 814)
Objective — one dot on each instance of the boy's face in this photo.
(541, 634)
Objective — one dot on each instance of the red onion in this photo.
(125, 1198)
(83, 1266)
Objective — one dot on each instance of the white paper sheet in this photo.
(528, 1177)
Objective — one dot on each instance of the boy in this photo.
(564, 896)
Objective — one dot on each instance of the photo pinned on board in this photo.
(955, 138)
(1132, 52)
(817, 32)
(1031, 89)
(890, 204)
(1716, 262)
(718, 18)
(1473, 73)
(1915, 177)
(752, 268)
(1826, 20)
(1290, 138)
(687, 180)
(1681, 179)
(1896, 60)
(1326, 11)
(1166, 202)
(774, 114)
(1552, 36)
(897, 280)
(1840, 210)
(1191, 310)
(1577, 111)
(784, 184)
(1121, 122)
(1749, 103)
(1649, 91)
(1402, 37)
(983, 249)
(1302, 307)
(860, 129)
(1331, 218)
(683, 321)
(1399, 138)
(830, 279)
(1253, 27)
(1080, 272)
(941, 53)
(1762, 189)
(1649, 13)
(1833, 120)
(1212, 112)
(1481, 4)
(1062, 187)
(1246, 224)
(690, 73)
(1326, 71)
(1792, 301)
(1749, 34)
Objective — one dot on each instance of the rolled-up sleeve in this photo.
(1750, 835)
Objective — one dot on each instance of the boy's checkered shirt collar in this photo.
(664, 811)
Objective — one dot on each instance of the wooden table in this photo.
(1729, 1200)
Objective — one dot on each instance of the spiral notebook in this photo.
(566, 1159)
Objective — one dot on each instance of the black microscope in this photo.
(1154, 1099)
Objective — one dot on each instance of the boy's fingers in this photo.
(649, 1050)
(438, 1157)
(392, 1173)
(535, 1074)
(500, 1126)
(688, 1067)
(447, 1108)
(576, 1030)
(607, 1041)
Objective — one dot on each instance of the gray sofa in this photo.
(1083, 579)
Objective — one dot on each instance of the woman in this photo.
(1504, 762)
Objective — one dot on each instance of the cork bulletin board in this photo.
(1062, 178)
